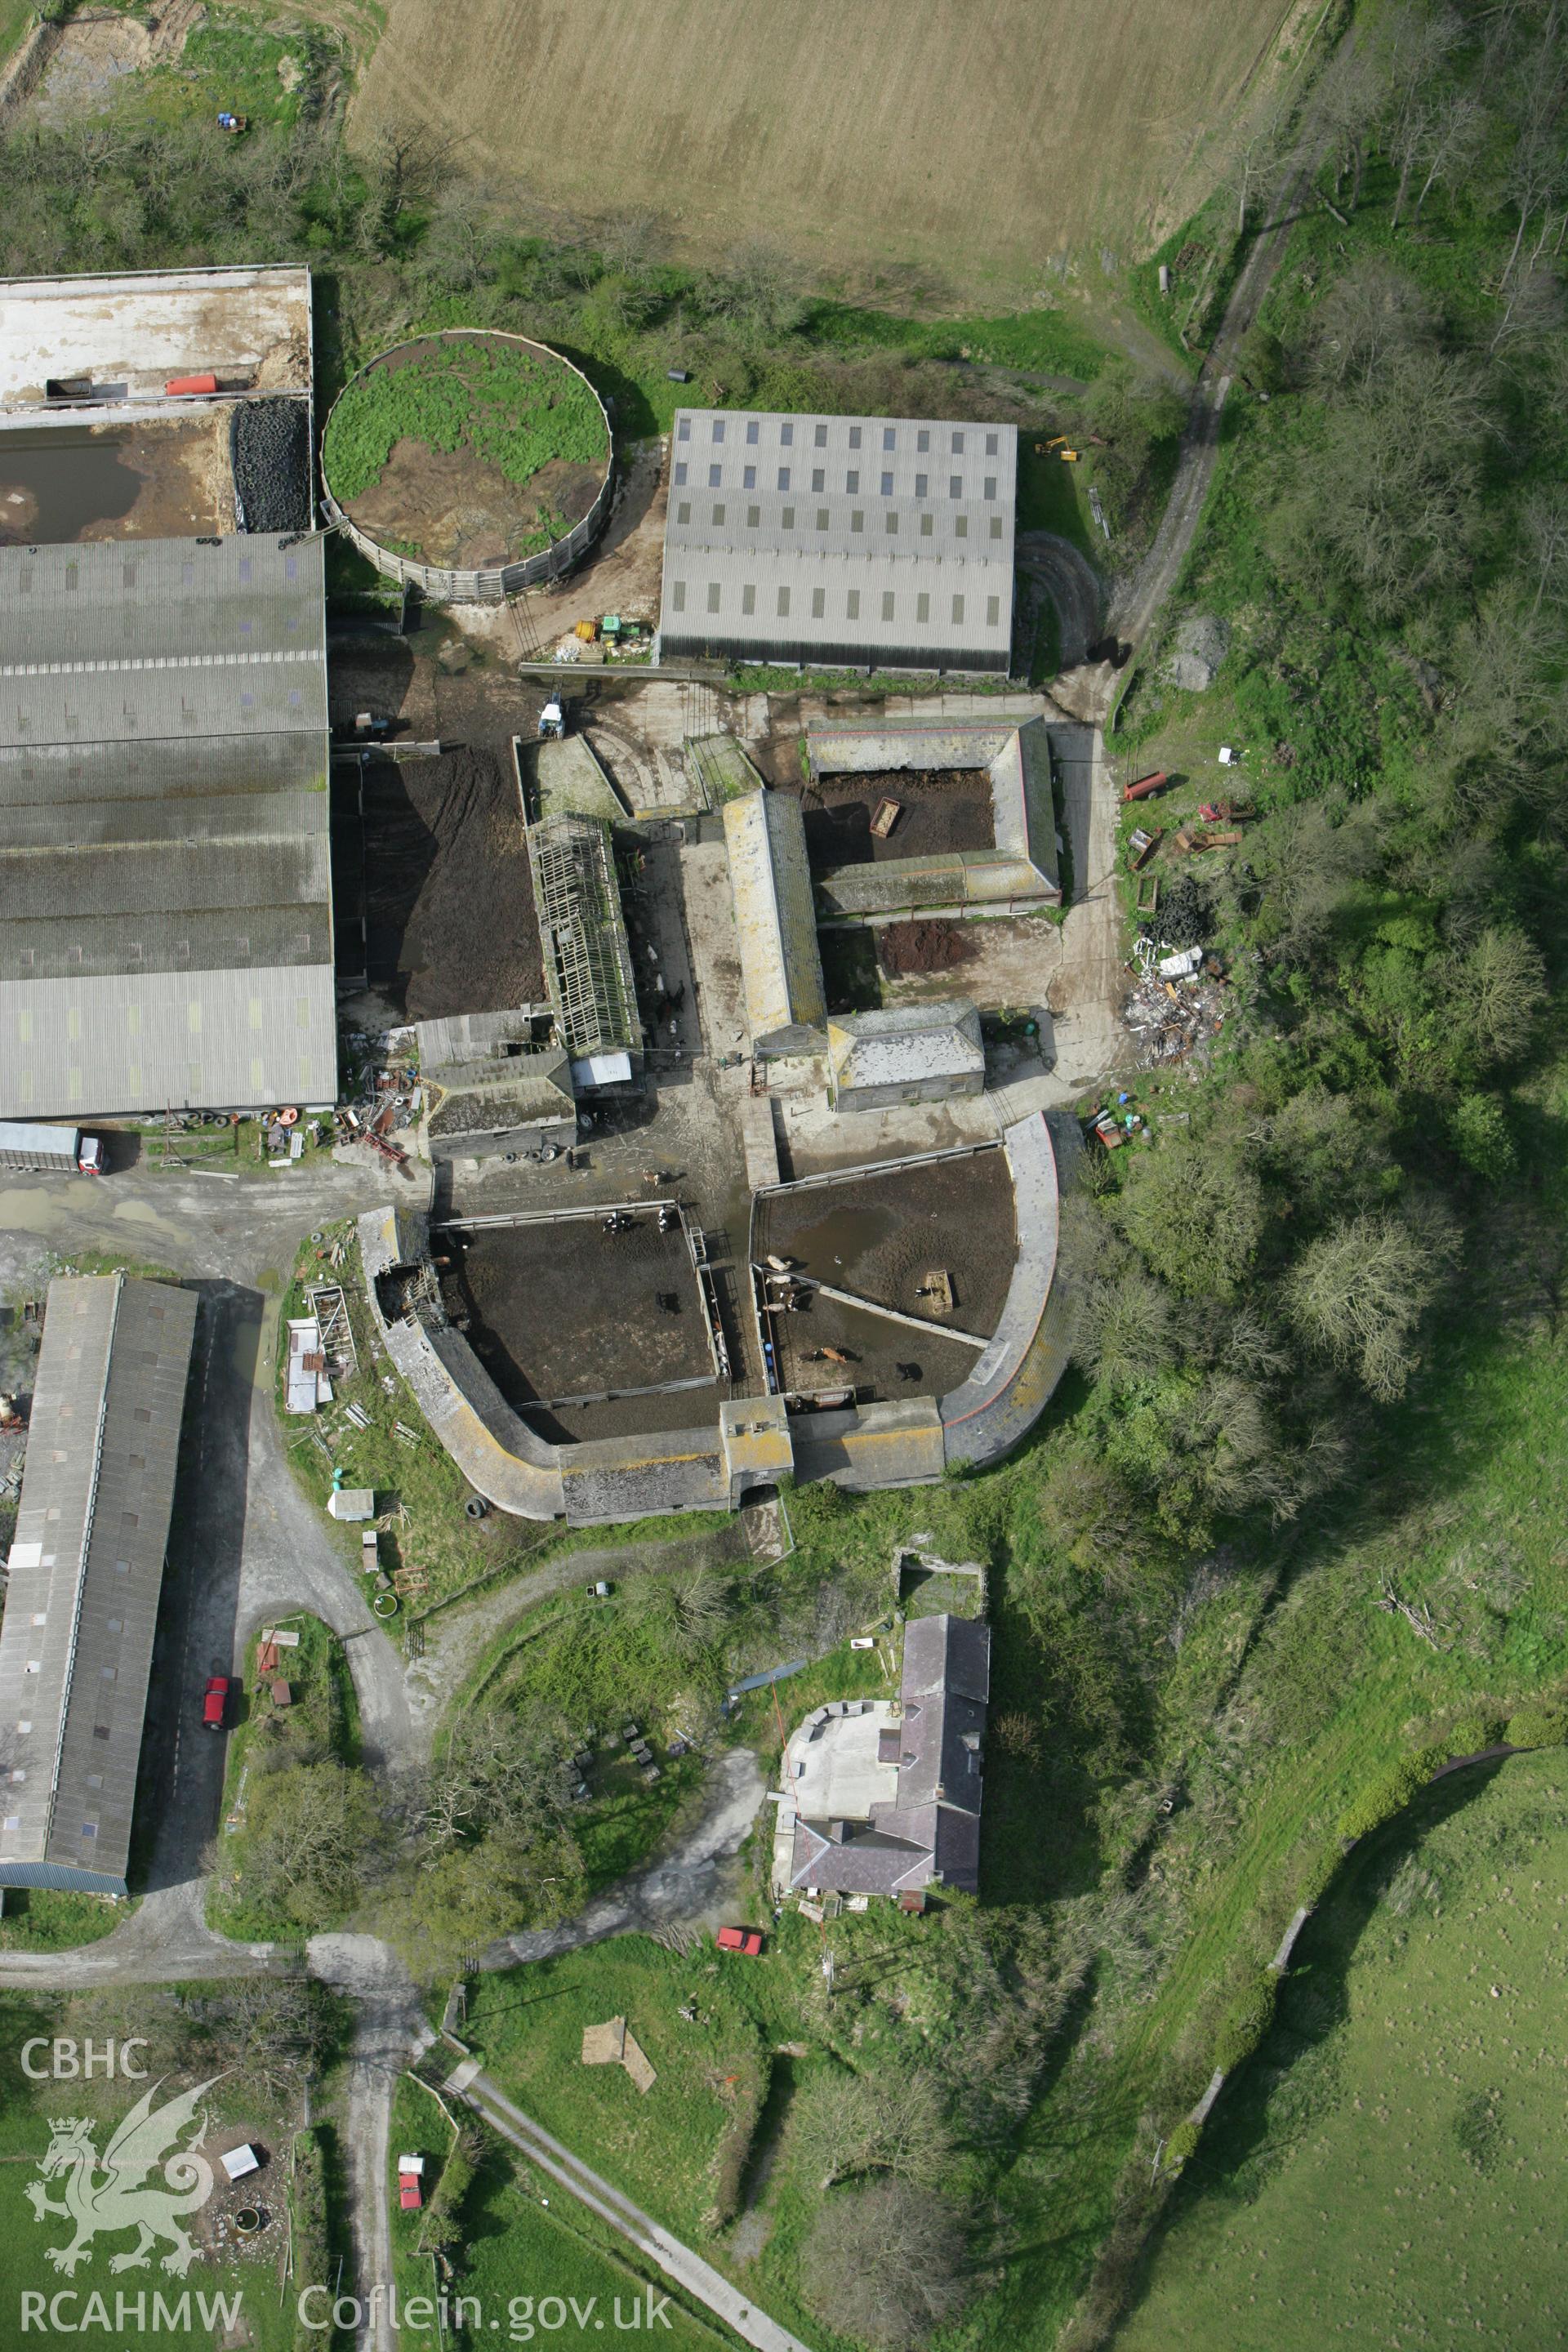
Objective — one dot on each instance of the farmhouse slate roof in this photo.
(931, 1834)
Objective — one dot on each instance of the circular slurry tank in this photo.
(471, 463)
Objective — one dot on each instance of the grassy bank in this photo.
(1386, 2154)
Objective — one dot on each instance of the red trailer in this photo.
(1146, 786)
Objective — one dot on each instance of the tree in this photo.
(1397, 478)
(1501, 988)
(1545, 521)
(497, 1763)
(1256, 143)
(1456, 128)
(310, 1827)
(1359, 1293)
(1371, 313)
(844, 2123)
(1196, 1210)
(405, 163)
(1125, 1330)
(885, 2262)
(1410, 45)
(1345, 106)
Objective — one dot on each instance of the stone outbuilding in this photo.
(907, 1054)
(775, 917)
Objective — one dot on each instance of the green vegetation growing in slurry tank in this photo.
(515, 409)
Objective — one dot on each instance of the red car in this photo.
(740, 1940)
(216, 1701)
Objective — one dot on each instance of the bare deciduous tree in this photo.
(885, 2262)
(1359, 1293)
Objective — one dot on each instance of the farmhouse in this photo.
(840, 541)
(883, 1797)
(85, 1571)
(167, 936)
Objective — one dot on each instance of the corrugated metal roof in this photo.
(868, 537)
(86, 1569)
(167, 929)
(775, 917)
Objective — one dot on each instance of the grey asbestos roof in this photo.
(840, 540)
(86, 1567)
(165, 925)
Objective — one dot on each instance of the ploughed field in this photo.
(969, 140)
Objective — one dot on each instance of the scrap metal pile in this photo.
(1178, 1003)
(387, 1078)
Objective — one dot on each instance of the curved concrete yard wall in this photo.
(498, 1455)
(597, 1483)
(1014, 1380)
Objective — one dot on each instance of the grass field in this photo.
(256, 2297)
(1388, 2167)
(973, 142)
(518, 2253)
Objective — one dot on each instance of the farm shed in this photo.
(781, 969)
(86, 1569)
(1012, 763)
(501, 1087)
(858, 543)
(167, 936)
(908, 1053)
(587, 962)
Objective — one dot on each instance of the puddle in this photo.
(834, 1243)
(58, 485)
(142, 1212)
(30, 1212)
(254, 1346)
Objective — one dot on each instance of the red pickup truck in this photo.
(739, 1940)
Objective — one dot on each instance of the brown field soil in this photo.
(903, 947)
(957, 139)
(568, 1310)
(941, 811)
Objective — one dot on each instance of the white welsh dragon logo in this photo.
(123, 2198)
